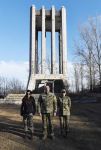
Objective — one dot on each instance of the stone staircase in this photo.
(14, 98)
(17, 98)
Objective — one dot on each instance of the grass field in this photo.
(85, 130)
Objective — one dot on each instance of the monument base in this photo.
(56, 82)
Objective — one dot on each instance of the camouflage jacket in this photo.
(47, 103)
(64, 105)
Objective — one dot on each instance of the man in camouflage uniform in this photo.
(64, 105)
(28, 109)
(48, 106)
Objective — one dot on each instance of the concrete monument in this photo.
(47, 21)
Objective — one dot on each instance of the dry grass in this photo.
(85, 130)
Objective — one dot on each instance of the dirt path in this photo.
(85, 130)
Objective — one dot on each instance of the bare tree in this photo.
(4, 86)
(89, 50)
(96, 38)
(16, 86)
(10, 86)
(76, 77)
(85, 53)
(82, 76)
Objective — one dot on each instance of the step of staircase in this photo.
(14, 98)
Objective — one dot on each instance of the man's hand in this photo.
(54, 114)
(21, 114)
(39, 114)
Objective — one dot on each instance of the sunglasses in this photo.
(28, 93)
(63, 92)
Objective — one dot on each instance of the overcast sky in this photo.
(14, 30)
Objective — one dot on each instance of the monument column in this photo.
(32, 39)
(53, 52)
(43, 43)
(64, 41)
(60, 53)
(36, 52)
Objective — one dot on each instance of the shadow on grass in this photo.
(85, 137)
(16, 127)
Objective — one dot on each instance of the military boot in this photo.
(44, 135)
(61, 132)
(52, 136)
(66, 133)
(31, 135)
(25, 135)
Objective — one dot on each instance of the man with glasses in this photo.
(64, 105)
(28, 109)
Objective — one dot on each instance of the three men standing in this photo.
(48, 105)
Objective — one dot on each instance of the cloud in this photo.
(13, 69)
(19, 70)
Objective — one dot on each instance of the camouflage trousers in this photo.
(64, 123)
(28, 122)
(47, 122)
